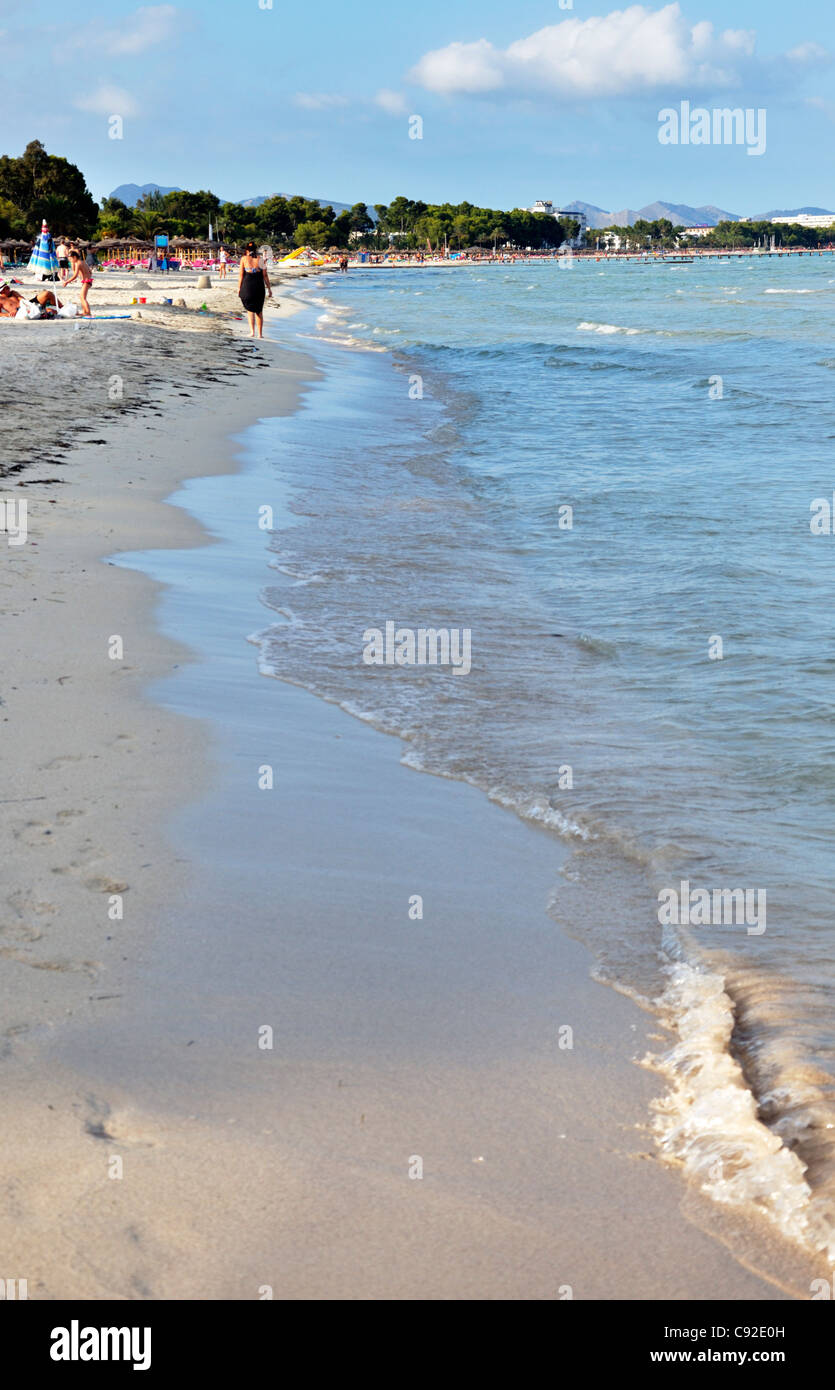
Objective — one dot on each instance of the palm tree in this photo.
(498, 233)
(145, 223)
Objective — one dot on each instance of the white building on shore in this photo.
(809, 219)
(545, 205)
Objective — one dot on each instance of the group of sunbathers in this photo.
(44, 305)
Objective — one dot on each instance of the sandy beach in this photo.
(410, 1127)
(68, 386)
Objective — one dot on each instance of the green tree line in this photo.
(661, 235)
(739, 234)
(414, 225)
(299, 221)
(37, 185)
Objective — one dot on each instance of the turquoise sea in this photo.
(653, 670)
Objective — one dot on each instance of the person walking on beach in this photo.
(81, 271)
(223, 262)
(253, 283)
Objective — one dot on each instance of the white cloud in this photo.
(627, 51)
(463, 67)
(393, 102)
(820, 104)
(108, 101)
(808, 53)
(143, 29)
(319, 101)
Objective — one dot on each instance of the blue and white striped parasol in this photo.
(44, 261)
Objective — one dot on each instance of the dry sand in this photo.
(64, 378)
(150, 1148)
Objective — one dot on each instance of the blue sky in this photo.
(517, 101)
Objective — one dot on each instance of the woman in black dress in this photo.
(253, 284)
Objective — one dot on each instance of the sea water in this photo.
(609, 473)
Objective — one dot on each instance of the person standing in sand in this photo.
(62, 251)
(223, 262)
(253, 283)
(81, 271)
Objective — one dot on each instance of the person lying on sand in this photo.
(44, 305)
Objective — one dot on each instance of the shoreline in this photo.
(581, 257)
(346, 979)
(688, 1059)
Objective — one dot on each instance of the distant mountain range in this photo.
(130, 193)
(678, 213)
(792, 212)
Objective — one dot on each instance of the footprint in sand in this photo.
(64, 758)
(34, 832)
(106, 885)
(22, 905)
(90, 968)
(38, 832)
(121, 1126)
(20, 932)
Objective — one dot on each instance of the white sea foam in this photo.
(708, 1121)
(530, 808)
(605, 328)
(346, 342)
(538, 809)
(299, 578)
